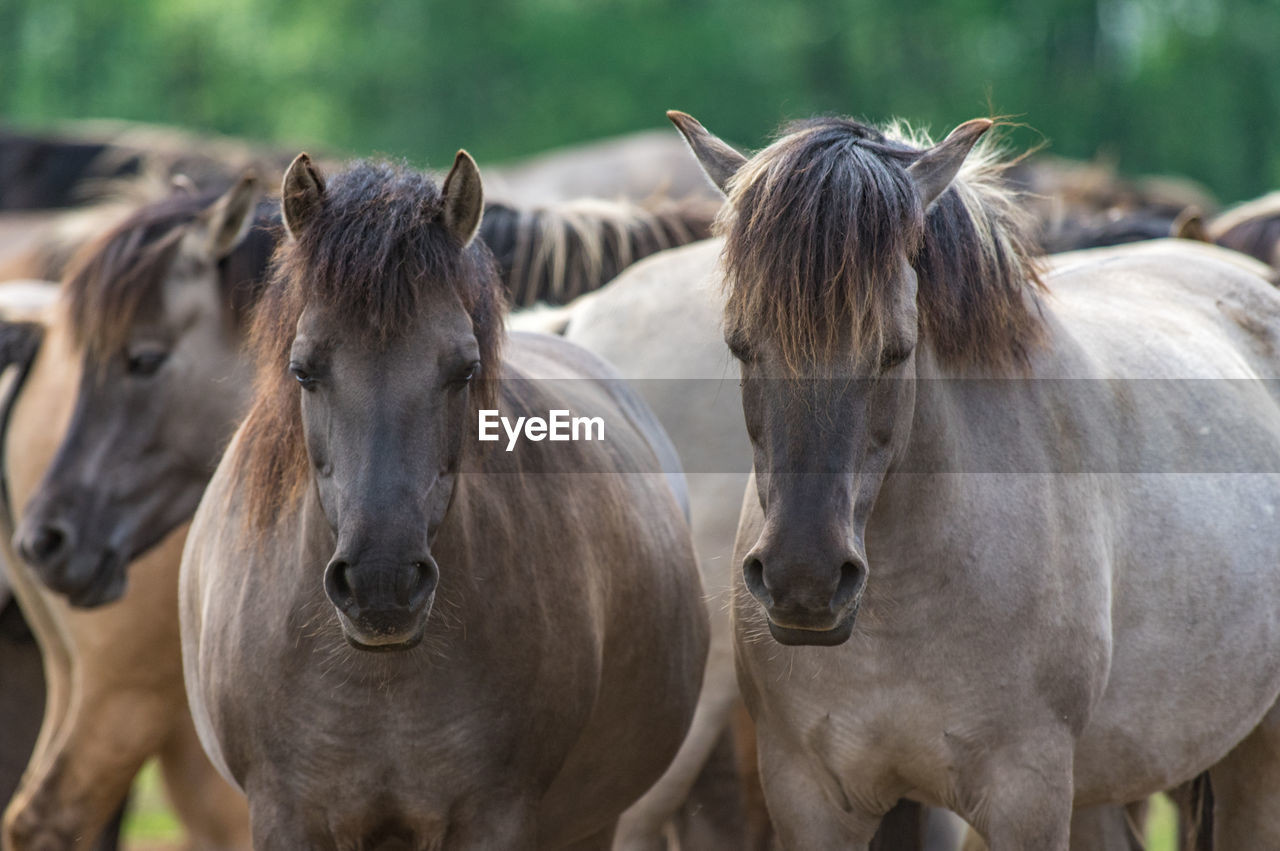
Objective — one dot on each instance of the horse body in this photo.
(519, 698)
(1053, 635)
(1018, 548)
(516, 710)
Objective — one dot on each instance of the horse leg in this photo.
(943, 830)
(1022, 797)
(275, 824)
(758, 826)
(803, 817)
(215, 814)
(1246, 790)
(711, 819)
(102, 744)
(1194, 800)
(1108, 827)
(601, 841)
(56, 655)
(21, 699)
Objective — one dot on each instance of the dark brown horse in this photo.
(526, 619)
(154, 314)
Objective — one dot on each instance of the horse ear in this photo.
(301, 194)
(718, 159)
(463, 199)
(938, 166)
(1190, 225)
(231, 216)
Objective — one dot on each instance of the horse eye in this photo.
(145, 362)
(740, 350)
(891, 357)
(467, 373)
(306, 379)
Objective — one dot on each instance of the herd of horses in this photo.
(909, 531)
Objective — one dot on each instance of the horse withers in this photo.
(538, 612)
(1008, 546)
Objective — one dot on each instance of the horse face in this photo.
(148, 425)
(384, 425)
(823, 441)
(828, 391)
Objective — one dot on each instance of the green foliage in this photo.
(1181, 86)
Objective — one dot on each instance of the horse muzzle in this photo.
(87, 578)
(793, 631)
(805, 603)
(382, 606)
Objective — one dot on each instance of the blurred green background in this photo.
(1178, 86)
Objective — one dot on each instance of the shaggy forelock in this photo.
(817, 227)
(819, 223)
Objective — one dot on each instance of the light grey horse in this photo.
(969, 576)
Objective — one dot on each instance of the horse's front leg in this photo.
(1019, 796)
(276, 825)
(72, 794)
(803, 814)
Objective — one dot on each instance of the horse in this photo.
(637, 167)
(660, 327)
(61, 166)
(554, 253)
(474, 636)
(967, 575)
(161, 287)
(1252, 228)
(157, 317)
(108, 677)
(1090, 204)
(1116, 227)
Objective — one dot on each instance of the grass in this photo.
(150, 823)
(1162, 825)
(152, 826)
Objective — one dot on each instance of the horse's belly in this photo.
(1144, 738)
(1195, 657)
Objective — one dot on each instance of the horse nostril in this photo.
(753, 574)
(338, 585)
(47, 545)
(853, 577)
(426, 577)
